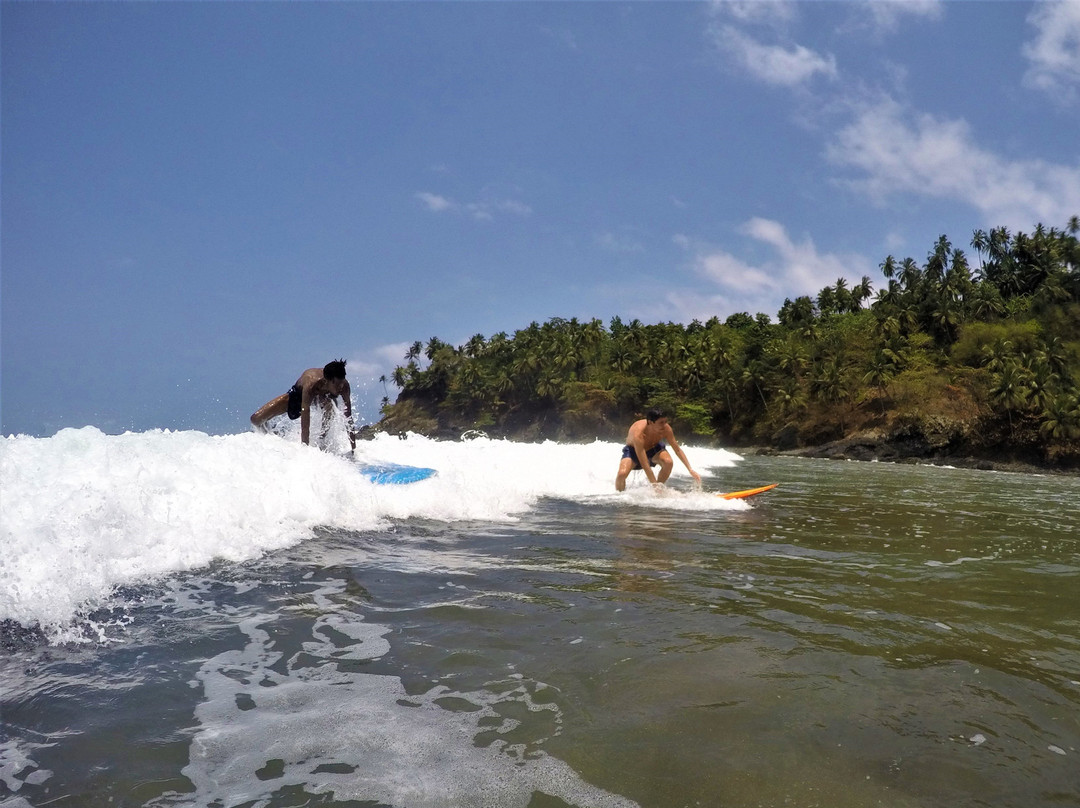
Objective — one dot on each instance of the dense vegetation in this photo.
(972, 358)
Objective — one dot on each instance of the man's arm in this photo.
(637, 440)
(681, 454)
(305, 415)
(643, 460)
(346, 396)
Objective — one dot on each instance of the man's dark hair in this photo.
(655, 414)
(334, 370)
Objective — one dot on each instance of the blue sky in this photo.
(201, 200)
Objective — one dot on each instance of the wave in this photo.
(84, 512)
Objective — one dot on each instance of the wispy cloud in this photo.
(485, 211)
(886, 15)
(371, 363)
(618, 243)
(768, 54)
(896, 150)
(772, 12)
(1054, 53)
(794, 268)
(786, 66)
(434, 202)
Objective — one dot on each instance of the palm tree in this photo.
(548, 387)
(728, 382)
(886, 325)
(890, 295)
(862, 292)
(936, 261)
(1042, 382)
(830, 386)
(945, 319)
(881, 371)
(433, 347)
(791, 358)
(1061, 418)
(826, 301)
(979, 243)
(475, 346)
(910, 275)
(842, 296)
(755, 374)
(986, 302)
(1010, 390)
(998, 355)
(1056, 355)
(790, 397)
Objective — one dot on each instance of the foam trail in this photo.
(84, 512)
(270, 723)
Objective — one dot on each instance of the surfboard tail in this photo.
(749, 492)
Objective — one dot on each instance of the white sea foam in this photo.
(83, 512)
(271, 722)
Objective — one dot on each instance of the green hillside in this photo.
(956, 355)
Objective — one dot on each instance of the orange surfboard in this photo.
(749, 492)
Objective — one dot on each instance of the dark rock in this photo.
(786, 439)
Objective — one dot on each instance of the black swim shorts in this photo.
(296, 401)
(628, 451)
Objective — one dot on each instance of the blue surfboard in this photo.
(394, 474)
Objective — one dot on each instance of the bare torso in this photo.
(646, 433)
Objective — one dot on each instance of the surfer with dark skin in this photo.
(319, 386)
(646, 445)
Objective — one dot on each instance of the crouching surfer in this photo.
(319, 386)
(646, 445)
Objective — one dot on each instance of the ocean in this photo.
(227, 621)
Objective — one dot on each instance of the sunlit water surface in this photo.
(239, 621)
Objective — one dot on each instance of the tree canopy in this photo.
(995, 342)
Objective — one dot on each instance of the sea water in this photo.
(244, 621)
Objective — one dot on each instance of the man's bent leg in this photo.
(271, 409)
(626, 465)
(666, 465)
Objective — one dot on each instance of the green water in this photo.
(864, 635)
(867, 634)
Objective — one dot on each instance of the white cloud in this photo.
(887, 14)
(775, 64)
(1054, 53)
(795, 268)
(756, 11)
(734, 274)
(801, 268)
(898, 151)
(434, 202)
(481, 211)
(767, 56)
(512, 206)
(377, 361)
(618, 243)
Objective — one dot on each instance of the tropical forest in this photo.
(968, 354)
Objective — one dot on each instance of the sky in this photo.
(199, 200)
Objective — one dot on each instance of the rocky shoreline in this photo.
(886, 449)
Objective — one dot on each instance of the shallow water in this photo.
(515, 634)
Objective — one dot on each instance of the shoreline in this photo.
(865, 447)
(870, 450)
